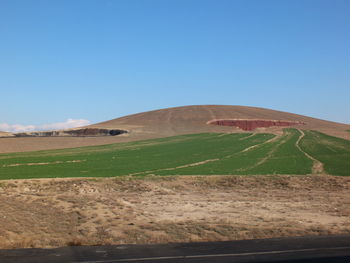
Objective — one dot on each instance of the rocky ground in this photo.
(60, 212)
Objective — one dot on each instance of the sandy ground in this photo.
(60, 212)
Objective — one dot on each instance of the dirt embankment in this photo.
(250, 125)
(59, 212)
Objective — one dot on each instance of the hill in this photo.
(193, 119)
(176, 121)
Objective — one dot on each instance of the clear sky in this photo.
(97, 59)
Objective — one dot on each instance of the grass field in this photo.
(196, 154)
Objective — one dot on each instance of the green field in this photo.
(196, 154)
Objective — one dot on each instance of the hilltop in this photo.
(193, 119)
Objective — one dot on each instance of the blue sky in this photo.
(98, 60)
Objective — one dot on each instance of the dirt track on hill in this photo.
(317, 167)
(59, 212)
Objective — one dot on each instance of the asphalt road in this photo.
(330, 249)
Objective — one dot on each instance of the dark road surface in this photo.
(330, 249)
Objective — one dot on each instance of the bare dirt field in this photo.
(60, 212)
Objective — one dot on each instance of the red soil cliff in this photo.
(249, 125)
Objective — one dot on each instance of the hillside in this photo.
(193, 119)
(175, 121)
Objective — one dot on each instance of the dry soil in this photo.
(60, 212)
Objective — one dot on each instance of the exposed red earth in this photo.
(250, 125)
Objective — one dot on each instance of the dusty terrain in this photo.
(5, 134)
(59, 212)
(174, 121)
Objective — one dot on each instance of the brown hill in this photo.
(176, 121)
(194, 119)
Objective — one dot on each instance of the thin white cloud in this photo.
(70, 123)
(16, 127)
